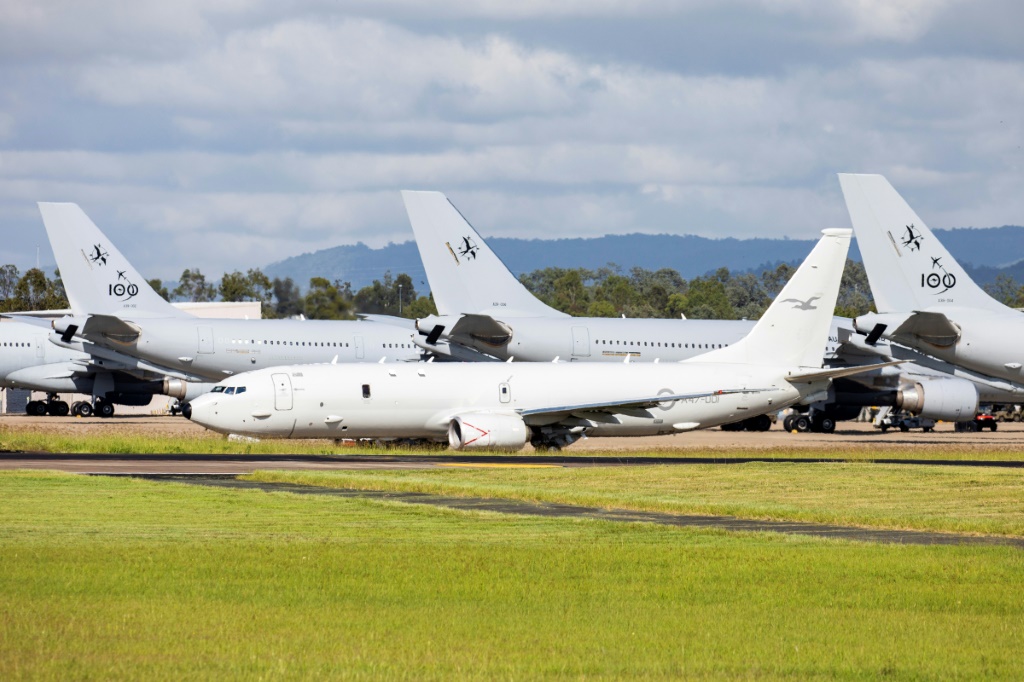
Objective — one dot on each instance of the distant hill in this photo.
(985, 252)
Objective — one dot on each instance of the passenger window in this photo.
(366, 390)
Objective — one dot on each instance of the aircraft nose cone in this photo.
(186, 410)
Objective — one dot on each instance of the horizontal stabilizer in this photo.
(837, 372)
(934, 328)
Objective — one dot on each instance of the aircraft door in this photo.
(205, 339)
(580, 342)
(40, 349)
(282, 391)
(360, 352)
(504, 392)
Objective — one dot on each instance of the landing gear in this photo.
(553, 440)
(51, 406)
(822, 423)
(81, 408)
(104, 409)
(815, 422)
(761, 422)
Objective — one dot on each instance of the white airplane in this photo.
(506, 405)
(119, 318)
(29, 361)
(925, 299)
(486, 313)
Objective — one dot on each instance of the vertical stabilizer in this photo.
(465, 276)
(98, 279)
(794, 330)
(907, 267)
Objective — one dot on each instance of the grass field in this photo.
(132, 441)
(122, 578)
(957, 499)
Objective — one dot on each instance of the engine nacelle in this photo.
(185, 390)
(482, 430)
(948, 399)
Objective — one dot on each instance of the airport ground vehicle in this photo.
(1006, 413)
(979, 423)
(905, 421)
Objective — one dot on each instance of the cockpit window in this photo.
(234, 390)
(230, 390)
(240, 389)
(218, 389)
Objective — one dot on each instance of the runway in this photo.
(728, 523)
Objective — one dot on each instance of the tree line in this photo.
(605, 292)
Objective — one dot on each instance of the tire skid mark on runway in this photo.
(557, 510)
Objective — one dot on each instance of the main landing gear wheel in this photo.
(82, 409)
(802, 424)
(787, 423)
(105, 409)
(36, 408)
(57, 408)
(826, 424)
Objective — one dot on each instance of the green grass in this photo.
(874, 446)
(121, 578)
(960, 499)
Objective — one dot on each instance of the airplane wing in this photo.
(393, 320)
(28, 319)
(633, 404)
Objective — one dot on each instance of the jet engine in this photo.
(489, 431)
(948, 399)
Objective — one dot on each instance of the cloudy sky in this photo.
(226, 134)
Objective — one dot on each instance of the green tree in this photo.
(158, 286)
(423, 306)
(854, 291)
(252, 286)
(288, 299)
(1006, 290)
(326, 300)
(706, 300)
(34, 291)
(382, 297)
(9, 277)
(193, 287)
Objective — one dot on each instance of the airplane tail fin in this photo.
(465, 275)
(794, 330)
(907, 267)
(97, 277)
